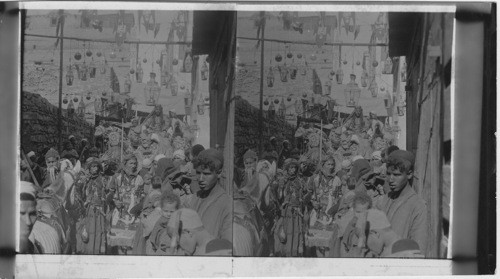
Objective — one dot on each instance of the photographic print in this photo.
(342, 131)
(122, 132)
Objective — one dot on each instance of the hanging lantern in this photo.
(358, 63)
(104, 93)
(276, 101)
(364, 79)
(127, 84)
(278, 58)
(88, 96)
(158, 61)
(328, 85)
(266, 103)
(270, 77)
(344, 62)
(289, 55)
(293, 71)
(403, 75)
(382, 89)
(187, 65)
(175, 62)
(144, 60)
(271, 111)
(174, 86)
(99, 54)
(81, 110)
(388, 66)
(299, 55)
(204, 71)
(103, 67)
(340, 76)
(303, 71)
(387, 101)
(289, 99)
(401, 109)
(112, 55)
(65, 100)
(374, 89)
(92, 69)
(139, 74)
(69, 77)
(283, 74)
(83, 72)
(132, 71)
(88, 53)
(352, 92)
(71, 108)
(201, 106)
(75, 99)
(78, 56)
(152, 91)
(304, 95)
(375, 64)
(255, 61)
(182, 87)
(331, 75)
(313, 57)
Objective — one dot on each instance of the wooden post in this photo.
(261, 100)
(61, 67)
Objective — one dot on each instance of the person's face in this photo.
(145, 142)
(265, 168)
(345, 144)
(147, 179)
(397, 179)
(328, 167)
(354, 147)
(28, 218)
(131, 164)
(94, 169)
(206, 178)
(292, 170)
(250, 163)
(379, 144)
(51, 162)
(187, 242)
(167, 209)
(371, 190)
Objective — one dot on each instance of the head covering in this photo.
(158, 157)
(94, 162)
(179, 154)
(213, 155)
(28, 188)
(196, 149)
(355, 139)
(346, 164)
(165, 168)
(377, 155)
(189, 218)
(31, 154)
(357, 157)
(404, 244)
(250, 154)
(146, 163)
(155, 138)
(52, 153)
(71, 137)
(403, 155)
(359, 168)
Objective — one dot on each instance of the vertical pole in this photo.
(59, 111)
(261, 116)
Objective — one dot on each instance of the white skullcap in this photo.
(28, 188)
(159, 156)
(377, 155)
(357, 157)
(154, 137)
(31, 154)
(179, 154)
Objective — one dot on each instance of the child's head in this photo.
(147, 178)
(361, 202)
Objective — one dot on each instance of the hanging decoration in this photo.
(313, 57)
(321, 30)
(112, 55)
(374, 88)
(328, 86)
(120, 29)
(352, 92)
(282, 108)
(364, 79)
(358, 63)
(298, 107)
(144, 60)
(78, 56)
(88, 53)
(382, 89)
(149, 22)
(270, 77)
(387, 101)
(204, 71)
(271, 110)
(92, 69)
(299, 55)
(201, 106)
(175, 62)
(71, 108)
(293, 71)
(403, 73)
(83, 71)
(69, 76)
(65, 100)
(127, 84)
(304, 95)
(139, 73)
(344, 62)
(174, 85)
(278, 57)
(289, 55)
(388, 66)
(132, 71)
(289, 98)
(89, 96)
(348, 21)
(152, 91)
(266, 102)
(283, 73)
(187, 65)
(375, 64)
(331, 75)
(99, 54)
(340, 76)
(103, 67)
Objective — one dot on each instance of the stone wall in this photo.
(39, 124)
(246, 133)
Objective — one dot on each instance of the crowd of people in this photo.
(348, 184)
(148, 192)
